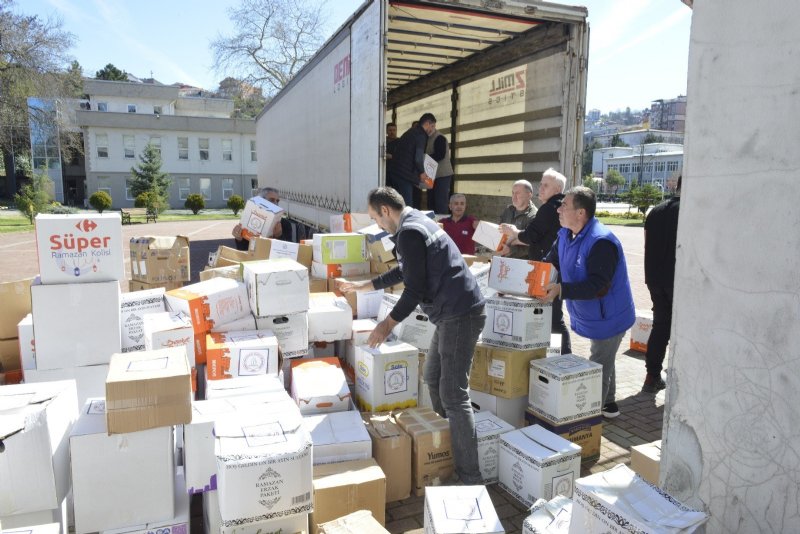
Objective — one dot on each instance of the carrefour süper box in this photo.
(79, 248)
(259, 216)
(246, 353)
(276, 287)
(517, 323)
(488, 428)
(158, 259)
(209, 303)
(133, 307)
(340, 248)
(387, 376)
(640, 331)
(521, 277)
(565, 388)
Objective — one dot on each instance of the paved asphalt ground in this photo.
(640, 421)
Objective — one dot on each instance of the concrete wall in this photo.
(732, 419)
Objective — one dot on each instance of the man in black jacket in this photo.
(407, 168)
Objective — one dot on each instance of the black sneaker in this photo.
(653, 385)
(610, 410)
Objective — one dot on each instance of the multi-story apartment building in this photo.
(669, 114)
(202, 148)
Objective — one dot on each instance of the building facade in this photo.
(658, 164)
(669, 114)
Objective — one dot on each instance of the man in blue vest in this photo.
(594, 284)
(437, 279)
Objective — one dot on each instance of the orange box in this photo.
(521, 277)
(244, 353)
(213, 302)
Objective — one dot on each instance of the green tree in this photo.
(652, 138)
(645, 196)
(195, 202)
(100, 200)
(614, 180)
(110, 72)
(34, 197)
(235, 204)
(588, 154)
(591, 183)
(147, 177)
(617, 141)
(151, 201)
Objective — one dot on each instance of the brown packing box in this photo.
(377, 267)
(261, 247)
(502, 372)
(229, 271)
(137, 285)
(148, 389)
(646, 461)
(158, 259)
(317, 285)
(470, 259)
(360, 522)
(432, 457)
(16, 304)
(346, 487)
(378, 253)
(9, 355)
(352, 298)
(230, 256)
(391, 448)
(584, 432)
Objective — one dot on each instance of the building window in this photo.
(102, 145)
(131, 108)
(183, 148)
(253, 156)
(625, 167)
(227, 188)
(104, 184)
(636, 167)
(205, 188)
(648, 167)
(672, 166)
(253, 186)
(128, 190)
(660, 165)
(156, 142)
(184, 185)
(203, 144)
(157, 110)
(102, 106)
(129, 143)
(227, 150)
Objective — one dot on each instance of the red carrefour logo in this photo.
(86, 225)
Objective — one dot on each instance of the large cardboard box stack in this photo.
(432, 456)
(319, 386)
(160, 261)
(16, 299)
(387, 376)
(241, 353)
(338, 437)
(488, 428)
(346, 487)
(468, 509)
(391, 448)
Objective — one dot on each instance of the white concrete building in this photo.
(202, 148)
(659, 164)
(637, 137)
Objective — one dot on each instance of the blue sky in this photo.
(638, 48)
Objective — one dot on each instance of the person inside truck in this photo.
(270, 194)
(518, 214)
(408, 159)
(460, 226)
(439, 149)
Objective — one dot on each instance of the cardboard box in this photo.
(512, 411)
(28, 527)
(337, 270)
(264, 248)
(91, 308)
(147, 390)
(10, 358)
(488, 428)
(362, 328)
(537, 464)
(349, 222)
(166, 330)
(318, 285)
(35, 421)
(416, 329)
(619, 501)
(133, 307)
(584, 432)
(16, 299)
(27, 344)
(340, 248)
(104, 466)
(245, 353)
(359, 522)
(640, 331)
(90, 381)
(276, 287)
(365, 304)
(160, 259)
(381, 250)
(472, 259)
(319, 386)
(338, 437)
(329, 318)
(517, 323)
(243, 386)
(291, 331)
(387, 376)
(432, 457)
(248, 322)
(489, 235)
(233, 272)
(502, 372)
(452, 509)
(79, 248)
(212, 524)
(481, 273)
(136, 285)
(178, 524)
(565, 388)
(230, 257)
(391, 448)
(373, 233)
(259, 216)
(646, 461)
(524, 278)
(549, 516)
(376, 267)
(346, 487)
(209, 303)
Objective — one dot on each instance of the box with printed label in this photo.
(62, 343)
(79, 248)
(517, 323)
(584, 432)
(209, 303)
(565, 388)
(291, 331)
(340, 248)
(103, 466)
(432, 456)
(148, 389)
(549, 516)
(391, 448)
(90, 380)
(646, 460)
(349, 222)
(346, 487)
(27, 344)
(416, 329)
(489, 235)
(259, 216)
(488, 428)
(178, 524)
(166, 330)
(276, 287)
(338, 437)
(359, 522)
(387, 376)
(381, 250)
(245, 353)
(264, 248)
(329, 318)
(136, 285)
(292, 524)
(467, 509)
(35, 421)
(512, 411)
(319, 386)
(521, 277)
(502, 372)
(537, 464)
(264, 467)
(16, 299)
(233, 272)
(364, 304)
(337, 270)
(362, 328)
(133, 307)
(160, 259)
(640, 331)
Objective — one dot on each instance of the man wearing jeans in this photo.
(436, 278)
(594, 284)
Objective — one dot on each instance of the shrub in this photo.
(34, 197)
(100, 201)
(58, 209)
(236, 204)
(195, 202)
(151, 201)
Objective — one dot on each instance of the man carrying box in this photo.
(436, 278)
(594, 282)
(271, 195)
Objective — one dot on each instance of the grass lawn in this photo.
(12, 221)
(619, 221)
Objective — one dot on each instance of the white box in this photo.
(293, 524)
(488, 428)
(349, 222)
(565, 388)
(454, 509)
(517, 323)
(640, 331)
(179, 524)
(209, 303)
(416, 329)
(489, 235)
(521, 277)
(105, 468)
(329, 318)
(319, 386)
(259, 216)
(35, 420)
(246, 353)
(76, 324)
(338, 437)
(512, 411)
(133, 307)
(555, 345)
(27, 345)
(27, 527)
(619, 501)
(61, 517)
(337, 270)
(90, 381)
(80, 248)
(165, 330)
(537, 464)
(291, 331)
(242, 385)
(481, 273)
(387, 376)
(264, 466)
(276, 287)
(551, 516)
(248, 322)
(373, 233)
(362, 328)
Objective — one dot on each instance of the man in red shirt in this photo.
(459, 226)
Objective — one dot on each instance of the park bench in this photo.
(127, 213)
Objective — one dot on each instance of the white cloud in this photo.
(647, 34)
(614, 21)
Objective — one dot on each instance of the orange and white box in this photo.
(259, 217)
(489, 235)
(521, 277)
(210, 303)
(80, 248)
(640, 332)
(338, 270)
(319, 386)
(248, 353)
(164, 330)
(349, 222)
